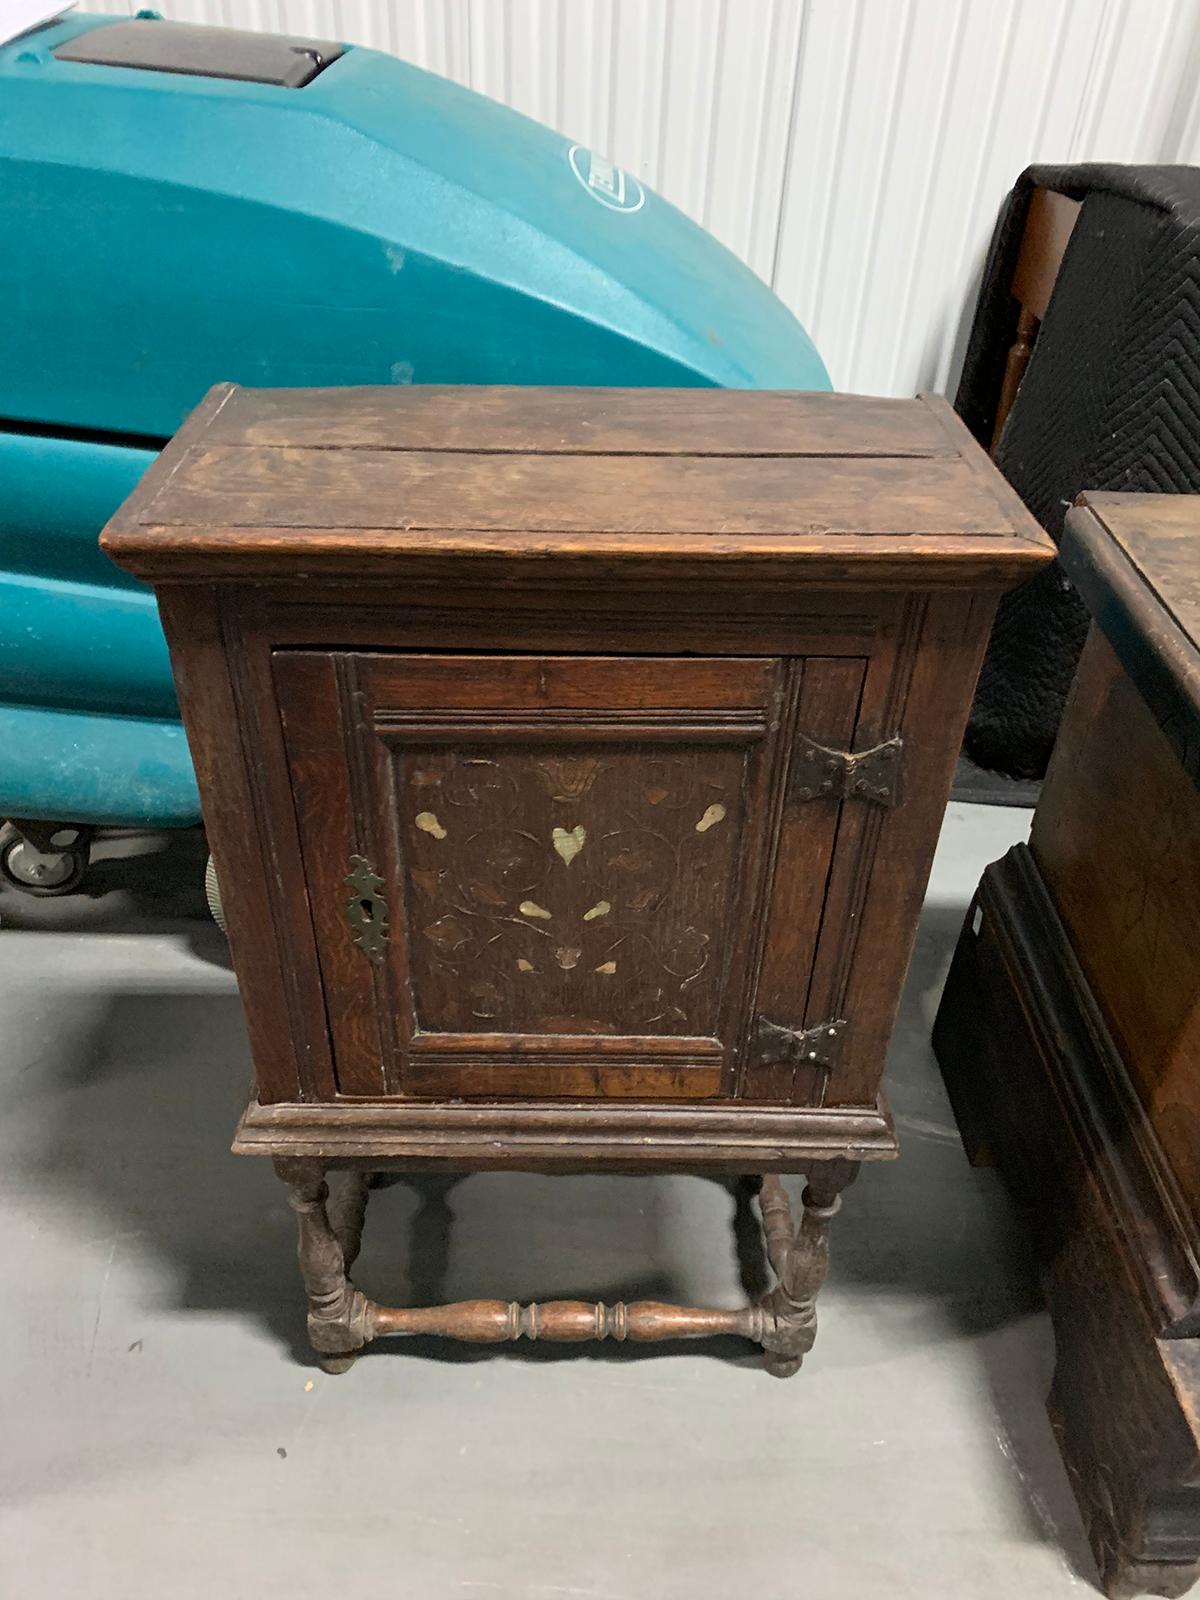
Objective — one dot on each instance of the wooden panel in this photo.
(571, 850)
(235, 739)
(528, 683)
(585, 619)
(610, 825)
(1031, 1067)
(920, 687)
(327, 814)
(791, 488)
(1049, 224)
(583, 421)
(625, 565)
(574, 1079)
(1117, 839)
(239, 837)
(241, 486)
(1159, 534)
(1135, 580)
(585, 1135)
(1034, 1070)
(566, 890)
(826, 710)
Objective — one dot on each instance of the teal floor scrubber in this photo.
(181, 205)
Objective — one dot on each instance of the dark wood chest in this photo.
(1069, 1036)
(573, 759)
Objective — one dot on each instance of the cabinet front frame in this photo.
(923, 650)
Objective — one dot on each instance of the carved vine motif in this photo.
(571, 892)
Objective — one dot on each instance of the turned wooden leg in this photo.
(341, 1320)
(346, 1208)
(339, 1317)
(799, 1257)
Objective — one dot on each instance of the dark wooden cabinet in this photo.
(573, 762)
(1069, 1037)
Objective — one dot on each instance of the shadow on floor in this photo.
(140, 1106)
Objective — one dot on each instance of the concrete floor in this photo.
(162, 1433)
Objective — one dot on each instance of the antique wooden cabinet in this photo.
(1069, 1037)
(572, 761)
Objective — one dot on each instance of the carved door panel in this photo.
(540, 876)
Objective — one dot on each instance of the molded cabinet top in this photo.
(672, 484)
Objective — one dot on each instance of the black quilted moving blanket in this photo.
(1110, 400)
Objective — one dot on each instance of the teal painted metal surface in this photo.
(88, 715)
(81, 645)
(378, 225)
(55, 495)
(161, 232)
(111, 771)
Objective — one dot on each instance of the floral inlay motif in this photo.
(570, 893)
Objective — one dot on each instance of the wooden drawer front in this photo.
(572, 855)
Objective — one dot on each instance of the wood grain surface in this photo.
(1069, 1036)
(364, 479)
(505, 705)
(1116, 837)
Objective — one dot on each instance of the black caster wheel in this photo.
(53, 863)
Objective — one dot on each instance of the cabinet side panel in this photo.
(329, 836)
(191, 617)
(1117, 839)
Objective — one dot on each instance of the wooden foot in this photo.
(341, 1320)
(339, 1317)
(799, 1258)
(336, 1364)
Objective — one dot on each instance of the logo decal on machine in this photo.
(612, 187)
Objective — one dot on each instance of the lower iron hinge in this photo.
(818, 772)
(819, 1046)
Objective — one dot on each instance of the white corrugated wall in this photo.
(854, 152)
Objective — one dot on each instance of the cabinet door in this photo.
(551, 875)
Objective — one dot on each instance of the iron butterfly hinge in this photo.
(366, 909)
(819, 772)
(818, 1046)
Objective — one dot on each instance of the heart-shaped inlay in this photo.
(570, 844)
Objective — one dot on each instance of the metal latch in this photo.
(818, 1046)
(366, 909)
(865, 775)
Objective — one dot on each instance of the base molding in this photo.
(1037, 1082)
(566, 1136)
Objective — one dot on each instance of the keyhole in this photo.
(368, 910)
